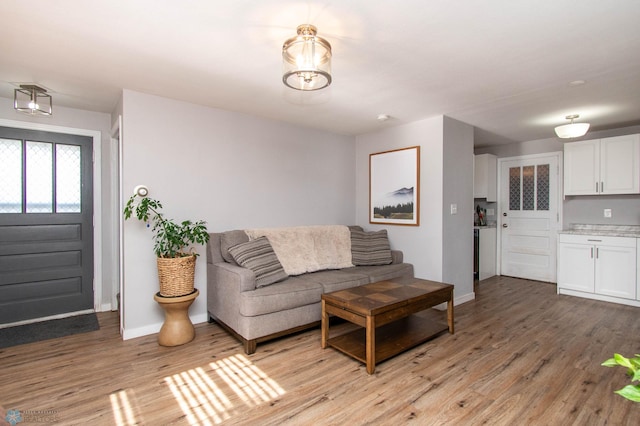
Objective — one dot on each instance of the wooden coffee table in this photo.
(387, 311)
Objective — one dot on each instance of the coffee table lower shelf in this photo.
(391, 339)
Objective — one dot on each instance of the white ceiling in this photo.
(503, 66)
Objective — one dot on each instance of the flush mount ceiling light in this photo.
(306, 60)
(32, 100)
(572, 130)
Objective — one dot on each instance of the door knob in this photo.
(504, 225)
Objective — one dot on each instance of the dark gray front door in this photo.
(46, 224)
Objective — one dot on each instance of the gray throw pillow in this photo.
(258, 255)
(229, 239)
(370, 248)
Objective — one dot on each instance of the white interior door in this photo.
(529, 216)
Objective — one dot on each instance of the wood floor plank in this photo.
(521, 355)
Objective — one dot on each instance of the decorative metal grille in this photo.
(543, 187)
(514, 188)
(528, 187)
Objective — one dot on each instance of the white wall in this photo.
(580, 209)
(62, 120)
(232, 170)
(446, 153)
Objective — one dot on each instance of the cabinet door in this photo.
(576, 267)
(487, 253)
(582, 168)
(484, 172)
(616, 271)
(619, 168)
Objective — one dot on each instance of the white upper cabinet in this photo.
(602, 166)
(485, 182)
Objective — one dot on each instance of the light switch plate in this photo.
(454, 209)
(607, 212)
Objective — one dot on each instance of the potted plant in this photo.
(172, 244)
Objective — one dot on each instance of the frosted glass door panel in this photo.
(10, 176)
(68, 186)
(39, 177)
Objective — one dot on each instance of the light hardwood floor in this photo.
(521, 355)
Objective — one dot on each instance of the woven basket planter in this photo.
(176, 275)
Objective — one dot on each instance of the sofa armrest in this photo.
(396, 256)
(245, 278)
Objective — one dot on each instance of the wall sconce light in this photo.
(31, 99)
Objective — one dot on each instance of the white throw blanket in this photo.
(308, 248)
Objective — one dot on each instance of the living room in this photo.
(238, 169)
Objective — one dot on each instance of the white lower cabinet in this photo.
(597, 267)
(487, 253)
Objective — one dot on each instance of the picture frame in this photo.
(394, 187)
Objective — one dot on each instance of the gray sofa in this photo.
(255, 314)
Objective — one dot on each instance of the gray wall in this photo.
(441, 248)
(234, 171)
(580, 209)
(458, 189)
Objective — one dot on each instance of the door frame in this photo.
(560, 195)
(117, 231)
(96, 135)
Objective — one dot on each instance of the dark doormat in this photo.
(29, 333)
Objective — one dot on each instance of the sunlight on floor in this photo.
(122, 408)
(204, 401)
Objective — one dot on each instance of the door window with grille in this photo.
(39, 177)
(529, 187)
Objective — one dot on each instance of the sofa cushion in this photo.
(337, 279)
(370, 248)
(288, 294)
(258, 255)
(229, 239)
(384, 272)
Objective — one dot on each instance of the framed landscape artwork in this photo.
(394, 189)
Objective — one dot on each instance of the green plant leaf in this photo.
(611, 362)
(630, 392)
(621, 360)
(170, 239)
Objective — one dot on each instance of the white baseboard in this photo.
(155, 328)
(105, 307)
(464, 298)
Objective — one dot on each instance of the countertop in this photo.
(490, 224)
(603, 230)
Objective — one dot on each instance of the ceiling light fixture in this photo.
(306, 60)
(32, 100)
(572, 130)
